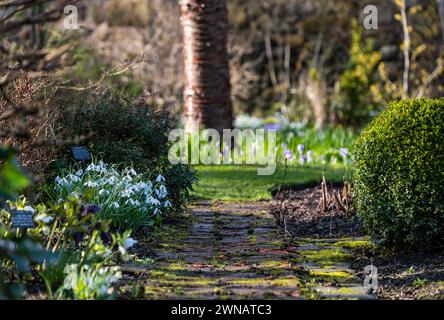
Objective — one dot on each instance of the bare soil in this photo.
(401, 275)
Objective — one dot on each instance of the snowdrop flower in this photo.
(114, 205)
(47, 219)
(128, 178)
(132, 172)
(90, 184)
(112, 181)
(152, 201)
(157, 211)
(127, 193)
(103, 192)
(73, 178)
(79, 173)
(129, 243)
(161, 192)
(75, 195)
(101, 165)
(30, 209)
(91, 167)
(167, 204)
(160, 178)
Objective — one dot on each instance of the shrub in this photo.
(124, 131)
(132, 134)
(399, 160)
(355, 105)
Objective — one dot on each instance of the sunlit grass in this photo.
(242, 183)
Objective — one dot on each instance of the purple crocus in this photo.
(78, 237)
(273, 126)
(91, 209)
(301, 148)
(106, 237)
(288, 155)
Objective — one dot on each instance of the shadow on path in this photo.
(221, 251)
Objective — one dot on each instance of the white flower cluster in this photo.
(91, 281)
(116, 190)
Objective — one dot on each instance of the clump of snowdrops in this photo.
(129, 199)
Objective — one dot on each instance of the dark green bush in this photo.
(124, 131)
(399, 177)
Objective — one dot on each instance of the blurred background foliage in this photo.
(311, 62)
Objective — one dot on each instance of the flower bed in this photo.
(129, 199)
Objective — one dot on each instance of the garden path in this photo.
(218, 251)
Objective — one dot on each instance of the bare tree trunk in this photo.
(441, 14)
(207, 93)
(406, 45)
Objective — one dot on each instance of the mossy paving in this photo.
(326, 265)
(221, 251)
(235, 251)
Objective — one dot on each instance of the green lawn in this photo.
(241, 183)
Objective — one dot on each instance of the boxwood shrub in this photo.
(399, 175)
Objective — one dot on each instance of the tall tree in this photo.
(441, 14)
(207, 93)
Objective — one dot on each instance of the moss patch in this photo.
(325, 256)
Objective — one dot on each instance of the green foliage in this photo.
(70, 249)
(320, 146)
(124, 132)
(399, 178)
(354, 106)
(12, 178)
(18, 253)
(323, 145)
(82, 248)
(91, 282)
(179, 181)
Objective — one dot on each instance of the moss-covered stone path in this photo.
(218, 251)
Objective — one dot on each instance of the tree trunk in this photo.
(207, 92)
(441, 14)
